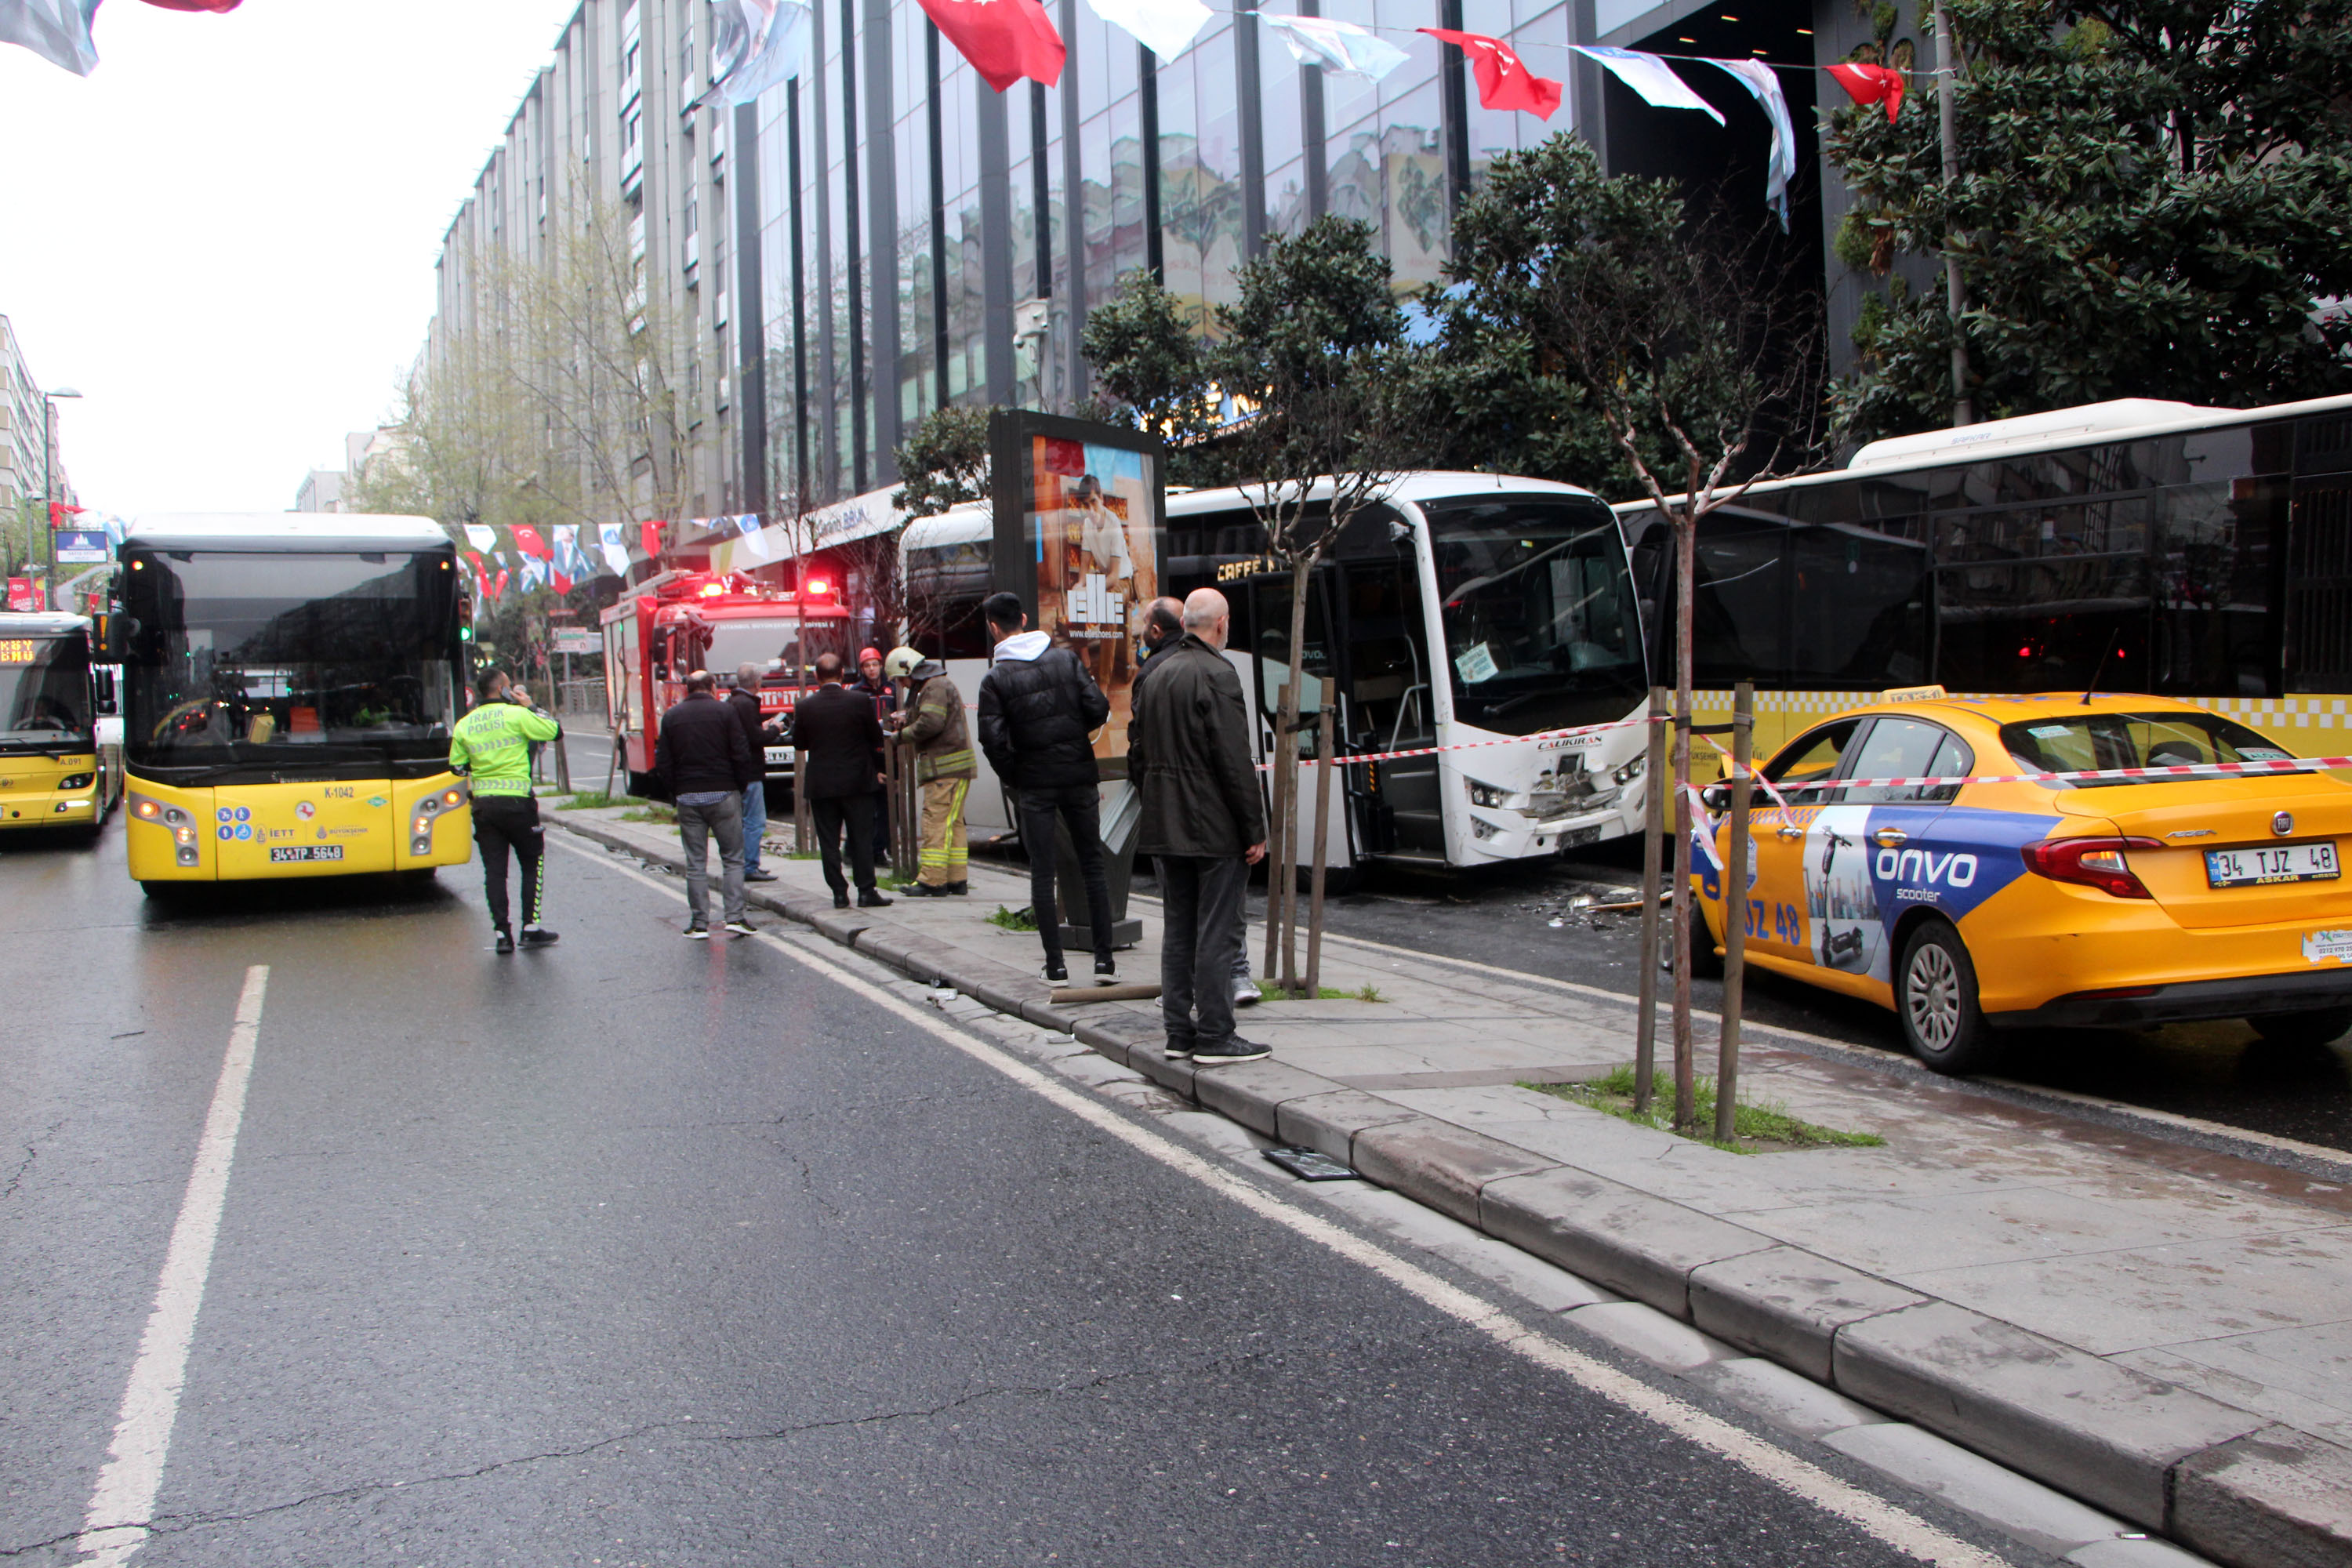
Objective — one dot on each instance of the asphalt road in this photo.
(643, 1251)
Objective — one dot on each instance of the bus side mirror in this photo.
(105, 682)
(106, 637)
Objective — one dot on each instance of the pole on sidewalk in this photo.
(1653, 778)
(1686, 1098)
(1277, 851)
(803, 830)
(1735, 896)
(1956, 292)
(1322, 819)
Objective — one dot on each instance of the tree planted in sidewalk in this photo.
(2154, 199)
(1688, 340)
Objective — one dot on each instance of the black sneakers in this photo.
(1053, 975)
(841, 900)
(698, 933)
(1106, 972)
(505, 943)
(762, 875)
(741, 927)
(538, 936)
(1233, 1050)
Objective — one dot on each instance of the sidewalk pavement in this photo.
(2161, 1329)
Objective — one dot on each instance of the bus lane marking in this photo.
(1886, 1522)
(116, 1524)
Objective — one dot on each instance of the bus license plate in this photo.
(307, 852)
(2286, 863)
(780, 756)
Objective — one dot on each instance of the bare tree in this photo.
(1692, 345)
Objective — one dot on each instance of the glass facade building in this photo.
(926, 240)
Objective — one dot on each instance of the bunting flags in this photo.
(534, 572)
(482, 535)
(1872, 84)
(1503, 79)
(754, 540)
(1166, 27)
(527, 539)
(1780, 163)
(649, 533)
(475, 557)
(1652, 79)
(757, 44)
(1003, 39)
(57, 30)
(616, 554)
(1340, 46)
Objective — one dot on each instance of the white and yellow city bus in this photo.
(55, 772)
(2201, 553)
(290, 683)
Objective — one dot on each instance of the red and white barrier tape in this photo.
(2181, 770)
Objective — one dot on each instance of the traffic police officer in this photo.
(494, 743)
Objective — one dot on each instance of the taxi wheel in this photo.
(2304, 1030)
(1936, 997)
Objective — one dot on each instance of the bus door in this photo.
(1270, 600)
(1390, 704)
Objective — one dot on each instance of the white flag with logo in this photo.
(1336, 46)
(616, 550)
(482, 536)
(1166, 27)
(1781, 164)
(1653, 80)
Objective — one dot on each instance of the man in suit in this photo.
(838, 730)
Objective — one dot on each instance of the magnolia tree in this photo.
(1689, 345)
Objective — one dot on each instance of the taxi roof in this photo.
(2009, 710)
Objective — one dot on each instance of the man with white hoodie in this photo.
(1038, 711)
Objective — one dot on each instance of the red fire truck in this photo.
(666, 627)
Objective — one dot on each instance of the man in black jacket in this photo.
(838, 733)
(1188, 754)
(744, 702)
(703, 763)
(1038, 710)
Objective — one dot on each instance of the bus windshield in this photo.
(1542, 631)
(45, 693)
(276, 661)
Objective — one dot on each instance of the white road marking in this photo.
(124, 1501)
(1894, 1526)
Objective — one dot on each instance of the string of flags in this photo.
(564, 555)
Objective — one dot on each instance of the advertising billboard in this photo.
(1079, 535)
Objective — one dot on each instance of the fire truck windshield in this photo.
(779, 644)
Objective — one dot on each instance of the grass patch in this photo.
(1272, 991)
(653, 811)
(1014, 920)
(1758, 1128)
(591, 800)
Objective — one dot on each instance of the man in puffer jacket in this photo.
(944, 769)
(1038, 711)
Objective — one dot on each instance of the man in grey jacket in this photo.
(1204, 821)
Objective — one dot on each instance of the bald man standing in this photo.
(1203, 821)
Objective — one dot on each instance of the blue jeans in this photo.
(755, 822)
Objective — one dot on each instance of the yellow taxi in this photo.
(1908, 862)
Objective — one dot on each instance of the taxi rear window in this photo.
(2088, 742)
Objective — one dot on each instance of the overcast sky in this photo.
(224, 237)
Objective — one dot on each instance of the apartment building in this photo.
(31, 456)
(617, 119)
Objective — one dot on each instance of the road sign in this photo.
(82, 546)
(577, 640)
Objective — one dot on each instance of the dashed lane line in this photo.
(115, 1526)
(1895, 1527)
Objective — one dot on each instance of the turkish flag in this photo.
(215, 6)
(650, 533)
(60, 512)
(1503, 79)
(1003, 39)
(527, 539)
(474, 557)
(499, 585)
(1871, 84)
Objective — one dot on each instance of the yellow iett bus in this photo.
(54, 770)
(289, 681)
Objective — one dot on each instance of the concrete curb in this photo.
(2243, 1489)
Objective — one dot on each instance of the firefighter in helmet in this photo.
(935, 730)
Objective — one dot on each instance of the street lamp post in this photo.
(49, 485)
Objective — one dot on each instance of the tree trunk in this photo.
(1685, 566)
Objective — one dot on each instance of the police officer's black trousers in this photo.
(504, 822)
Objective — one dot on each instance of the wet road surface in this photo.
(638, 1251)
